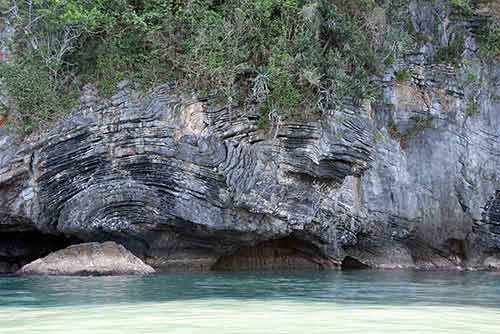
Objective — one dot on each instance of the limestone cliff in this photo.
(411, 180)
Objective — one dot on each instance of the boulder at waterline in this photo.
(103, 259)
(492, 263)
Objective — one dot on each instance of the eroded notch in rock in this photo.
(457, 249)
(281, 254)
(351, 263)
(20, 248)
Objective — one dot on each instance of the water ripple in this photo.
(324, 302)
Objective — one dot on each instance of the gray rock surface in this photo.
(411, 180)
(93, 258)
(492, 263)
(181, 182)
(379, 256)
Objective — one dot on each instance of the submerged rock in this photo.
(89, 259)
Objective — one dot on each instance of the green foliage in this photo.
(464, 7)
(488, 32)
(263, 121)
(489, 39)
(420, 125)
(472, 109)
(419, 37)
(471, 77)
(35, 97)
(403, 75)
(378, 137)
(453, 52)
(4, 5)
(290, 56)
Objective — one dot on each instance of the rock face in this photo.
(378, 256)
(179, 182)
(411, 180)
(92, 258)
(182, 183)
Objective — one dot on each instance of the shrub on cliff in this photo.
(286, 56)
(489, 40)
(36, 100)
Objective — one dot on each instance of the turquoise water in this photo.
(325, 302)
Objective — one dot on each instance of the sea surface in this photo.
(305, 303)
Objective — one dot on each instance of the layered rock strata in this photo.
(408, 181)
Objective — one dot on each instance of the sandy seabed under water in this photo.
(307, 303)
(235, 316)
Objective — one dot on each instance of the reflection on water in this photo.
(325, 302)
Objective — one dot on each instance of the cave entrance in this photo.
(457, 249)
(20, 248)
(351, 263)
(281, 254)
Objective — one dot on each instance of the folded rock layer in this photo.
(410, 180)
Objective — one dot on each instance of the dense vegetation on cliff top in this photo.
(289, 58)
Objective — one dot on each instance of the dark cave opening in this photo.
(351, 263)
(457, 248)
(280, 254)
(20, 248)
